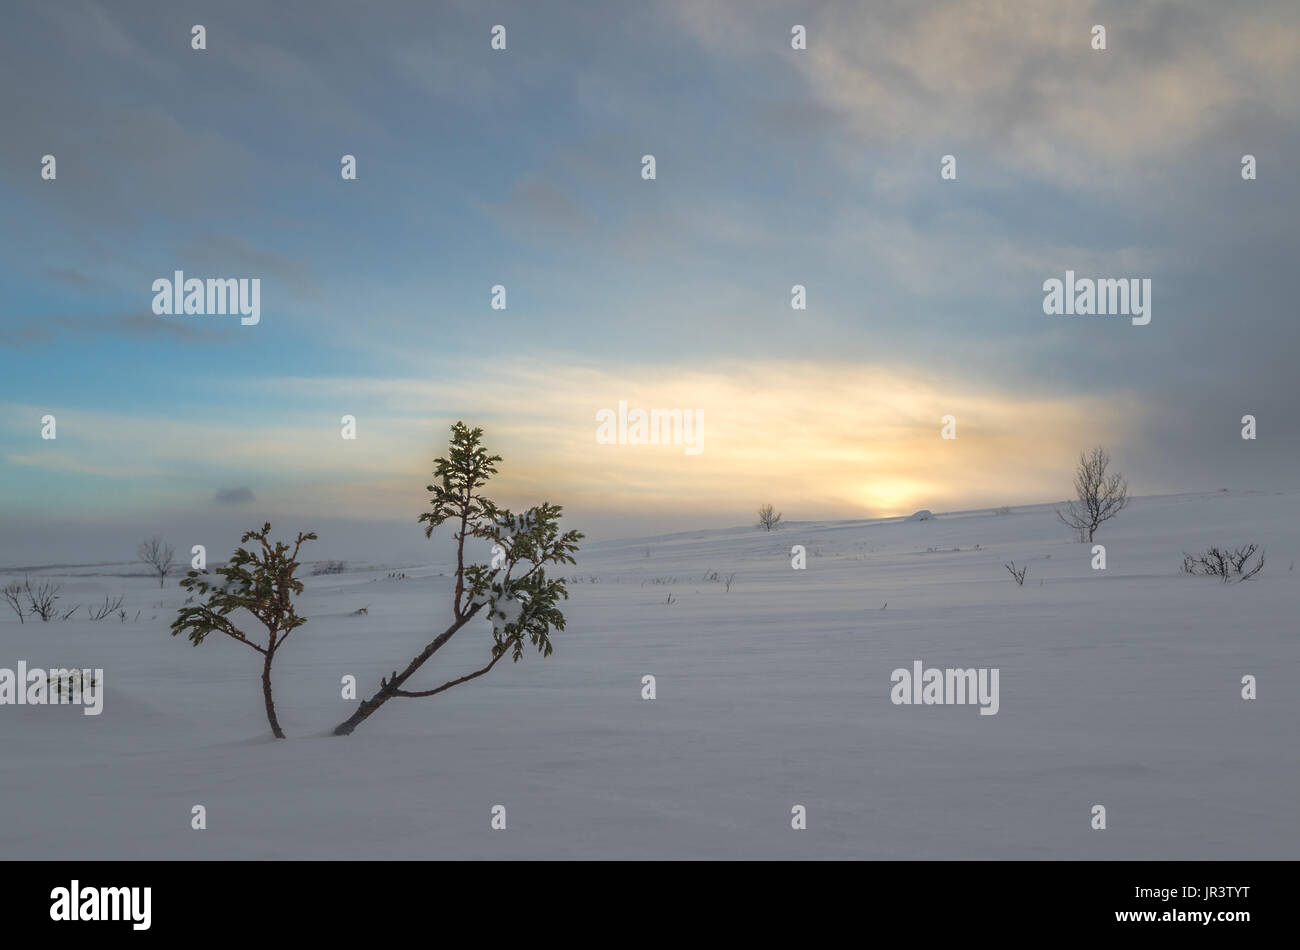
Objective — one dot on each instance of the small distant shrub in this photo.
(1227, 565)
(13, 596)
(1018, 574)
(66, 685)
(41, 598)
(330, 567)
(1004, 510)
(108, 607)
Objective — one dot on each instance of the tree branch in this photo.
(450, 683)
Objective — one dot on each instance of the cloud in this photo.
(231, 255)
(234, 496)
(87, 26)
(71, 277)
(56, 460)
(134, 324)
(1020, 80)
(540, 211)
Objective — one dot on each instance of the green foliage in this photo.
(522, 602)
(512, 591)
(260, 581)
(466, 469)
(519, 598)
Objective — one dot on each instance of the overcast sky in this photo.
(522, 167)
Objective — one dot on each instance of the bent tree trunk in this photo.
(266, 695)
(391, 687)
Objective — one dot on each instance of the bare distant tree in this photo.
(12, 594)
(158, 555)
(768, 517)
(1100, 496)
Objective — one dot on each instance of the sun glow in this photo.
(817, 441)
(887, 498)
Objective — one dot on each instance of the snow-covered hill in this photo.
(1119, 687)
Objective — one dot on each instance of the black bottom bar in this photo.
(649, 900)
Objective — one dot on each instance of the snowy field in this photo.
(1120, 688)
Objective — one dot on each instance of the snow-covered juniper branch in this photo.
(513, 591)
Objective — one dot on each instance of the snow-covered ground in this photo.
(1120, 688)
